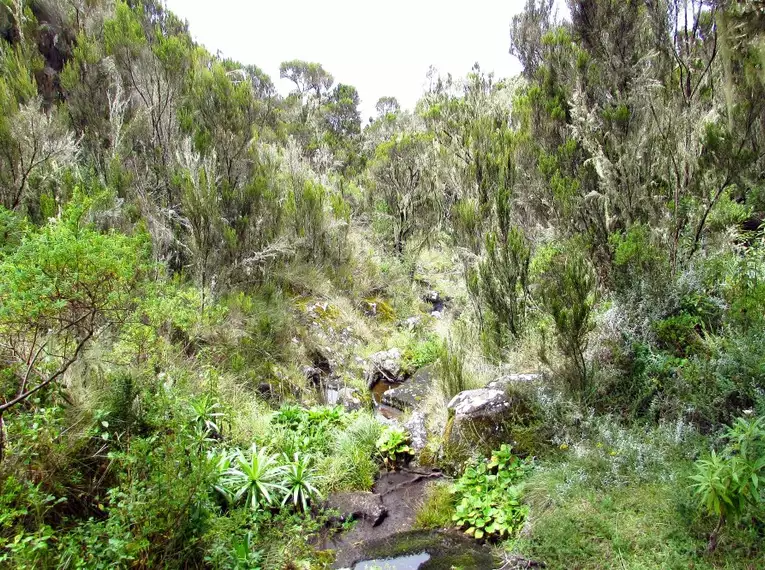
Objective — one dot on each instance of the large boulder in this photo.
(483, 419)
(480, 403)
(514, 380)
(480, 421)
(358, 505)
(410, 394)
(385, 366)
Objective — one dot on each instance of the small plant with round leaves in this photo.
(393, 446)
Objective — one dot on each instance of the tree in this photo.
(59, 288)
(308, 77)
(401, 173)
(342, 111)
(567, 291)
(387, 106)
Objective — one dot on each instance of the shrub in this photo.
(437, 507)
(568, 294)
(452, 377)
(730, 483)
(257, 479)
(488, 496)
(504, 282)
(393, 447)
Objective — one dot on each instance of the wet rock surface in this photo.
(410, 394)
(445, 550)
(358, 505)
(400, 494)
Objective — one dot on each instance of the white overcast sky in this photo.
(382, 48)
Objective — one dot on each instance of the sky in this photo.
(382, 48)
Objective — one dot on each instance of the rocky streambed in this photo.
(384, 535)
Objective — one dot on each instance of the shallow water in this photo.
(379, 388)
(409, 562)
(424, 550)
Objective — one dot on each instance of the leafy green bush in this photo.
(393, 447)
(679, 333)
(730, 483)
(299, 482)
(488, 496)
(256, 479)
(567, 290)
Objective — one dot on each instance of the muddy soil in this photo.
(402, 493)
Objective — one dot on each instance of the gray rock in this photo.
(313, 374)
(358, 505)
(433, 297)
(411, 322)
(417, 431)
(349, 399)
(412, 393)
(480, 403)
(479, 423)
(384, 365)
(503, 382)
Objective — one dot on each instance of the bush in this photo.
(729, 484)
(567, 290)
(437, 507)
(393, 447)
(488, 496)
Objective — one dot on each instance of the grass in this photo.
(621, 499)
(351, 465)
(437, 507)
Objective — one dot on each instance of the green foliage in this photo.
(437, 507)
(351, 463)
(421, 352)
(504, 282)
(679, 333)
(488, 496)
(393, 447)
(256, 478)
(452, 377)
(299, 482)
(567, 290)
(728, 484)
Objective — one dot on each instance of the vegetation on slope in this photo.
(178, 241)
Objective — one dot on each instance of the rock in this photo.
(265, 390)
(349, 399)
(384, 365)
(411, 322)
(313, 375)
(516, 562)
(480, 422)
(335, 393)
(411, 393)
(437, 301)
(433, 297)
(417, 431)
(480, 403)
(358, 505)
(503, 382)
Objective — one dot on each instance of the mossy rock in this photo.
(447, 550)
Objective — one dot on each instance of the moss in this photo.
(448, 550)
